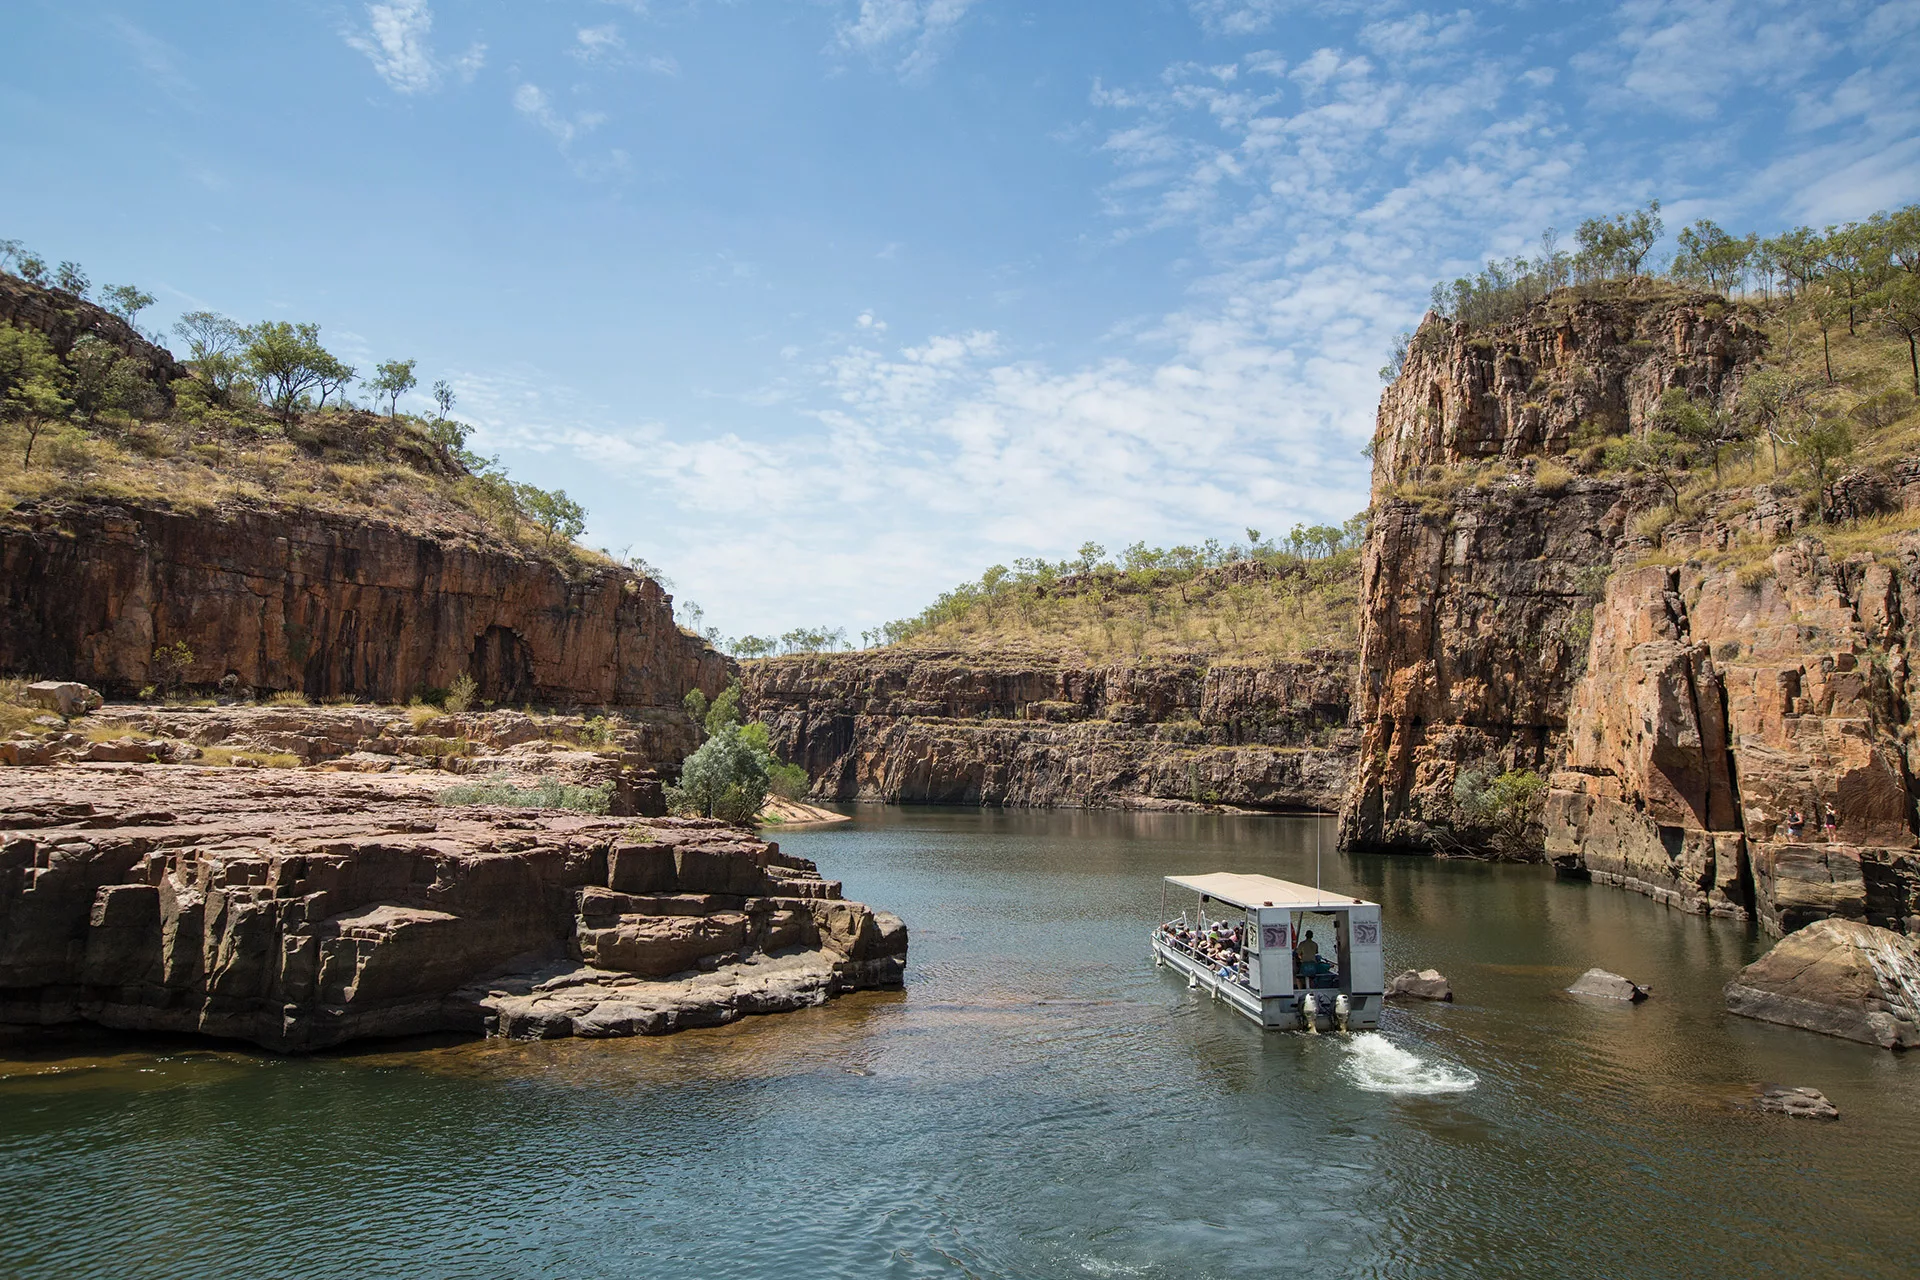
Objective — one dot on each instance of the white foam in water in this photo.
(1378, 1065)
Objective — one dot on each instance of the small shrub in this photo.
(1752, 575)
(288, 698)
(1651, 524)
(1507, 808)
(440, 748)
(460, 693)
(1552, 479)
(169, 665)
(788, 781)
(421, 713)
(551, 793)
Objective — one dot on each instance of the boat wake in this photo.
(1378, 1065)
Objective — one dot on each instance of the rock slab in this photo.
(301, 910)
(64, 696)
(1797, 1101)
(1601, 985)
(1840, 978)
(1426, 984)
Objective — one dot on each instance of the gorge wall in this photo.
(927, 725)
(330, 605)
(1683, 690)
(1477, 581)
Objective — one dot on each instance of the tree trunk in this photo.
(1913, 357)
(1826, 355)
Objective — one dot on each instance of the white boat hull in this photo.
(1279, 1013)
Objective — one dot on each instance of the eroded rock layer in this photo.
(326, 606)
(301, 910)
(1018, 728)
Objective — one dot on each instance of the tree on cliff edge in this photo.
(287, 361)
(392, 379)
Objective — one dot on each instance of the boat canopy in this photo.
(1265, 891)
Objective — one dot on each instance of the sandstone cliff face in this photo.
(936, 726)
(1715, 706)
(301, 910)
(326, 605)
(1475, 596)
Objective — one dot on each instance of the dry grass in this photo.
(1232, 614)
(16, 713)
(229, 460)
(226, 757)
(289, 698)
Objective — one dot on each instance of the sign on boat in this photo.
(1286, 955)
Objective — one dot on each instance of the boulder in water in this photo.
(1427, 984)
(1840, 978)
(1790, 1100)
(1602, 985)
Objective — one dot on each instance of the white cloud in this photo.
(598, 44)
(915, 32)
(532, 102)
(397, 42)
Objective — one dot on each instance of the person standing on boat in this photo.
(1308, 950)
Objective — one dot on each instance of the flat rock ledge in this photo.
(302, 910)
(1839, 978)
(1795, 1100)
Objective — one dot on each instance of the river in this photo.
(1039, 1102)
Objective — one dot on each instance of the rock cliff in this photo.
(1011, 727)
(301, 910)
(288, 599)
(65, 319)
(1480, 570)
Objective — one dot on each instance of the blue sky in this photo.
(825, 305)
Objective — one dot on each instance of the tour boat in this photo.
(1241, 943)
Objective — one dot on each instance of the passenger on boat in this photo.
(1308, 948)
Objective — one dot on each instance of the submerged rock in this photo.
(300, 910)
(1839, 978)
(1789, 1100)
(1602, 985)
(1427, 984)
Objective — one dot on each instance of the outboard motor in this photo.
(1310, 1015)
(1341, 1008)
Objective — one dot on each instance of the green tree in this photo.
(1659, 455)
(91, 363)
(1898, 313)
(333, 376)
(25, 355)
(287, 361)
(125, 300)
(1506, 808)
(38, 402)
(1795, 255)
(213, 348)
(443, 397)
(1821, 442)
(725, 778)
(33, 269)
(552, 510)
(1618, 245)
(1703, 426)
(392, 379)
(10, 251)
(1768, 398)
(1714, 258)
(72, 279)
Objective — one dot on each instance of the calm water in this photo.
(1039, 1102)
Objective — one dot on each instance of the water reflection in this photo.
(1040, 1101)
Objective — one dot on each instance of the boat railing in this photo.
(1214, 964)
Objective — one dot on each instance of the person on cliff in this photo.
(1796, 823)
(1831, 821)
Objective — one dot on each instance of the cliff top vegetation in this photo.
(94, 409)
(1820, 425)
(1263, 599)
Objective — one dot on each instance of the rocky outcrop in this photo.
(65, 319)
(298, 910)
(1480, 571)
(327, 606)
(923, 725)
(1720, 701)
(1839, 978)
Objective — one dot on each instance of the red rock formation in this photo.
(966, 727)
(300, 910)
(1475, 589)
(66, 319)
(327, 605)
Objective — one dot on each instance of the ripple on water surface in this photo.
(1039, 1102)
